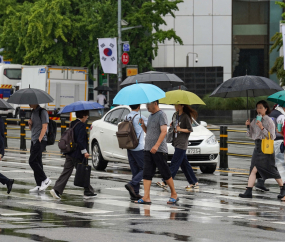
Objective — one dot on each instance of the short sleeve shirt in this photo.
(155, 121)
(181, 140)
(100, 99)
(38, 122)
(138, 128)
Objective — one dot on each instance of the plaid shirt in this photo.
(256, 133)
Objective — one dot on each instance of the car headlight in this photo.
(212, 140)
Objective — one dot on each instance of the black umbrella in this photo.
(30, 96)
(4, 105)
(246, 86)
(160, 79)
(103, 88)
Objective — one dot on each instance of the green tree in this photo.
(278, 66)
(65, 32)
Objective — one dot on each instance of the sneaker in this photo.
(36, 189)
(89, 194)
(45, 184)
(10, 185)
(55, 194)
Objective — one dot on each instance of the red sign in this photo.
(125, 58)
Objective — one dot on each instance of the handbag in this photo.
(267, 145)
(82, 175)
(169, 135)
(282, 147)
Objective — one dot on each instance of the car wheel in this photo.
(209, 169)
(98, 162)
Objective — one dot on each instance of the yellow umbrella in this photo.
(181, 97)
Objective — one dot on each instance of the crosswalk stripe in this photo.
(64, 207)
(7, 212)
(253, 200)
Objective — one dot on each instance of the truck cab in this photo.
(10, 77)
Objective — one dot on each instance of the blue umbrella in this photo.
(138, 93)
(80, 106)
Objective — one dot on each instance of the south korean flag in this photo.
(108, 54)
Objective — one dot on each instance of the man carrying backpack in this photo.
(136, 156)
(38, 125)
(75, 156)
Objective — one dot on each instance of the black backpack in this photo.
(52, 129)
(66, 143)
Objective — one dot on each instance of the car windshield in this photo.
(169, 113)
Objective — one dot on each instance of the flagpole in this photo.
(119, 45)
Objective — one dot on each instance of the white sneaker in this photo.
(45, 184)
(36, 189)
(54, 194)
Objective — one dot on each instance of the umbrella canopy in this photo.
(181, 97)
(30, 96)
(160, 79)
(103, 88)
(246, 86)
(278, 97)
(80, 106)
(4, 105)
(138, 94)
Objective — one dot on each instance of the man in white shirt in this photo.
(101, 100)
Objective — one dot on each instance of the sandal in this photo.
(195, 186)
(173, 200)
(140, 201)
(160, 184)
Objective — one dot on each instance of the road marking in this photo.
(7, 212)
(64, 207)
(230, 193)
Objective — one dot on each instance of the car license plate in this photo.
(193, 151)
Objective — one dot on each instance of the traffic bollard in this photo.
(23, 135)
(63, 125)
(224, 148)
(5, 133)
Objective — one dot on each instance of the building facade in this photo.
(232, 34)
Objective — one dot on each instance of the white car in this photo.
(203, 148)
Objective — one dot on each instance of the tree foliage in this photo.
(65, 32)
(278, 66)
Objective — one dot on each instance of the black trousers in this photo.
(36, 162)
(69, 165)
(3, 179)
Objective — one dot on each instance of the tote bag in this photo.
(82, 175)
(267, 145)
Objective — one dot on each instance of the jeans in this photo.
(3, 179)
(136, 160)
(35, 161)
(101, 111)
(179, 159)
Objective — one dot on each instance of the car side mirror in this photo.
(204, 124)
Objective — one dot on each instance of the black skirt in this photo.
(264, 163)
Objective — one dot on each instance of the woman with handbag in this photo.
(178, 135)
(263, 166)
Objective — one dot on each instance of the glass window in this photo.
(115, 116)
(126, 112)
(13, 73)
(169, 113)
(107, 117)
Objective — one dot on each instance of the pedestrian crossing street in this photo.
(215, 200)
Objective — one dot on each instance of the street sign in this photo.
(131, 71)
(125, 58)
(126, 47)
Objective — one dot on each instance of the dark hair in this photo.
(134, 106)
(157, 101)
(265, 105)
(191, 112)
(80, 114)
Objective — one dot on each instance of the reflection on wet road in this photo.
(214, 212)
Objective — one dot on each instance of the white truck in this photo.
(65, 84)
(10, 77)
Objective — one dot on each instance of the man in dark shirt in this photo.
(3, 179)
(75, 157)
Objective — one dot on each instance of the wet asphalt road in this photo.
(214, 212)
